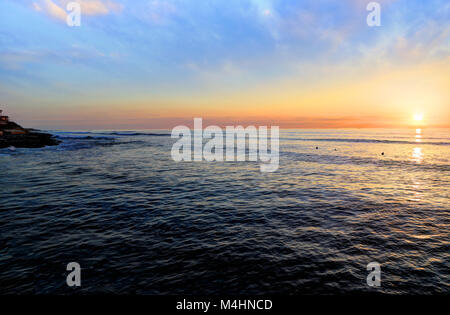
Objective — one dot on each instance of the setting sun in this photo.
(418, 117)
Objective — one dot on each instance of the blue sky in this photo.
(176, 57)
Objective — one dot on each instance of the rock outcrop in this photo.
(28, 140)
(11, 134)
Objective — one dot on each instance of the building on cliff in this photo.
(3, 119)
(10, 128)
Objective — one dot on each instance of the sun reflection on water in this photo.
(417, 155)
(417, 191)
(418, 135)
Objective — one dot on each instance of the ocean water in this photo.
(137, 222)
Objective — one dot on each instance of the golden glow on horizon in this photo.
(388, 97)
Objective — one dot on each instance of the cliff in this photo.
(28, 138)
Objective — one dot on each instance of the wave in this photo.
(368, 141)
(124, 133)
(74, 137)
(97, 135)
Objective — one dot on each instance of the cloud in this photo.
(56, 8)
(96, 7)
(158, 11)
(50, 8)
(414, 45)
(15, 60)
(37, 7)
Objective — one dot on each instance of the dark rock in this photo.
(12, 134)
(11, 125)
(28, 140)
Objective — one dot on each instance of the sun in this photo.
(418, 117)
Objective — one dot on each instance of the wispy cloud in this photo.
(158, 11)
(51, 9)
(56, 8)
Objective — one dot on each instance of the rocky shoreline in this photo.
(29, 140)
(15, 136)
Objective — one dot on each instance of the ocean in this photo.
(139, 223)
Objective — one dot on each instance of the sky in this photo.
(155, 64)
